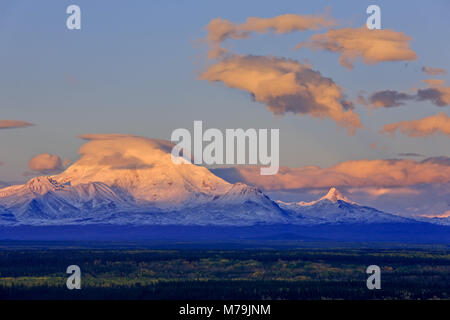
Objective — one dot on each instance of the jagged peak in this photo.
(43, 184)
(334, 195)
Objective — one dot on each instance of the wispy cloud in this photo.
(119, 161)
(436, 93)
(446, 214)
(219, 30)
(372, 46)
(11, 124)
(410, 154)
(433, 71)
(437, 124)
(379, 191)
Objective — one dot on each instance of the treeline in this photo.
(224, 274)
(234, 290)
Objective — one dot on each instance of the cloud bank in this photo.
(372, 46)
(354, 173)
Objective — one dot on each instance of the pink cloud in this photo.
(437, 124)
(46, 163)
(219, 30)
(372, 46)
(353, 173)
(284, 86)
(11, 124)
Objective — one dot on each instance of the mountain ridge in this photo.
(121, 179)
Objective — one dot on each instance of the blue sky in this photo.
(134, 66)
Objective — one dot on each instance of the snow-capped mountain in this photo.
(335, 208)
(443, 221)
(143, 169)
(121, 179)
(125, 179)
(333, 195)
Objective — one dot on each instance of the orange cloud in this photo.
(446, 214)
(141, 166)
(46, 163)
(433, 71)
(372, 46)
(354, 173)
(379, 191)
(11, 124)
(102, 136)
(285, 86)
(439, 123)
(220, 29)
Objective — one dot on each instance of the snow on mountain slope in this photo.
(127, 179)
(444, 221)
(142, 168)
(42, 198)
(6, 216)
(335, 208)
(333, 195)
(122, 179)
(240, 193)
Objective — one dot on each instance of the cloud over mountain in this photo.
(46, 163)
(372, 46)
(353, 173)
(141, 167)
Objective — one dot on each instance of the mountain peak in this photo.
(42, 185)
(334, 195)
(142, 168)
